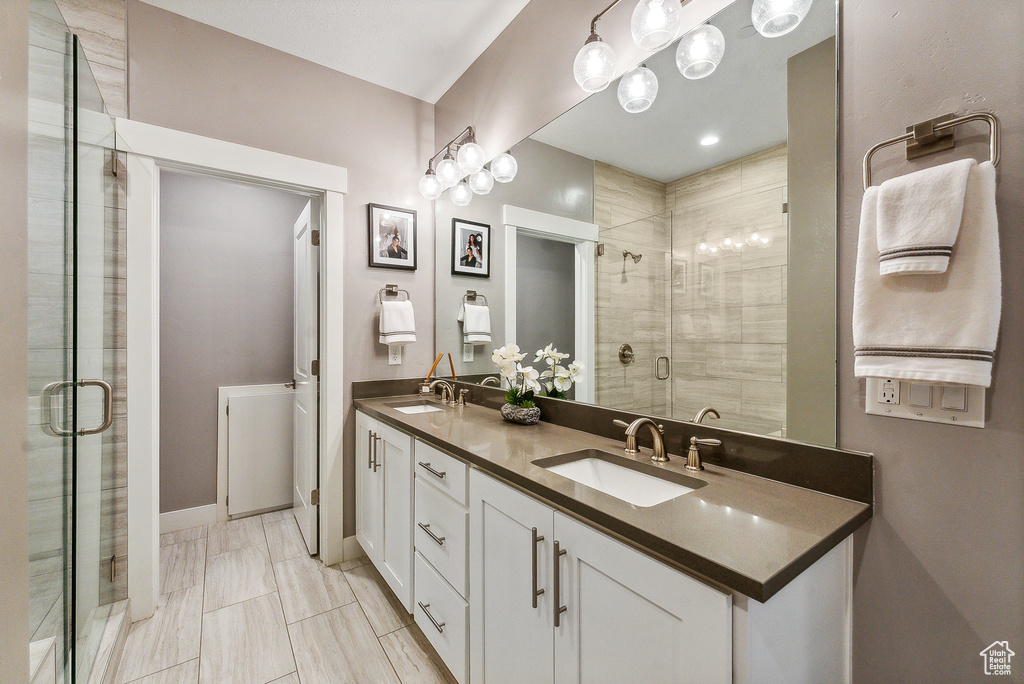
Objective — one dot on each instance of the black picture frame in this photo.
(461, 230)
(384, 221)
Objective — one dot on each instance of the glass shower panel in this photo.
(633, 307)
(51, 270)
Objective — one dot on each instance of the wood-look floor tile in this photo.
(292, 678)
(413, 658)
(182, 565)
(308, 588)
(382, 608)
(274, 516)
(183, 535)
(285, 540)
(352, 563)
(168, 638)
(238, 575)
(234, 534)
(185, 673)
(339, 647)
(246, 643)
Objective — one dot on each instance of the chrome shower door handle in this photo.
(108, 406)
(46, 405)
(657, 367)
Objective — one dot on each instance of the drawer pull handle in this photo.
(559, 608)
(432, 471)
(439, 625)
(537, 539)
(426, 528)
(369, 449)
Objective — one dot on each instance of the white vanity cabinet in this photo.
(594, 610)
(384, 502)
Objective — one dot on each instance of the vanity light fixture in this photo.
(709, 140)
(471, 157)
(448, 171)
(655, 23)
(504, 167)
(700, 51)
(637, 89)
(594, 65)
(481, 182)
(774, 18)
(430, 186)
(702, 248)
(461, 194)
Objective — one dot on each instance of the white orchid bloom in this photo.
(563, 383)
(508, 371)
(498, 355)
(530, 377)
(576, 370)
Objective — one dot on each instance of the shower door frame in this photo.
(152, 148)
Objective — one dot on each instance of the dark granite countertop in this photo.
(747, 533)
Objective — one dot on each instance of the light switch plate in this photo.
(394, 355)
(467, 353)
(918, 401)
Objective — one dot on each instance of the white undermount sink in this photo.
(628, 482)
(417, 406)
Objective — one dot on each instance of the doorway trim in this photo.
(583, 236)
(152, 148)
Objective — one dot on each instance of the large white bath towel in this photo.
(476, 324)
(919, 216)
(397, 322)
(938, 328)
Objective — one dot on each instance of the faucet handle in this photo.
(620, 423)
(705, 442)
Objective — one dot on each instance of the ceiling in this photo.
(417, 47)
(743, 102)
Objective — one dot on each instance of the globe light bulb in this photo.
(702, 248)
(430, 186)
(655, 23)
(754, 240)
(461, 194)
(594, 65)
(448, 172)
(774, 18)
(637, 89)
(481, 182)
(470, 157)
(700, 52)
(504, 167)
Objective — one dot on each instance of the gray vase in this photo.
(518, 414)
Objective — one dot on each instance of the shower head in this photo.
(635, 257)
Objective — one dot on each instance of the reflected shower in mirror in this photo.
(685, 254)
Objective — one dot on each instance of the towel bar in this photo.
(390, 291)
(472, 296)
(936, 135)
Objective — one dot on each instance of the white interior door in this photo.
(306, 388)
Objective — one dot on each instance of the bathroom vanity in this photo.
(516, 572)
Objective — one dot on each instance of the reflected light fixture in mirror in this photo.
(504, 167)
(774, 18)
(470, 157)
(700, 52)
(594, 65)
(461, 194)
(637, 89)
(655, 23)
(481, 182)
(709, 140)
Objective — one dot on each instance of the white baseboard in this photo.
(351, 549)
(187, 518)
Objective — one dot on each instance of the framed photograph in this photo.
(471, 248)
(392, 237)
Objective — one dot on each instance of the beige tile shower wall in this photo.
(101, 27)
(729, 309)
(632, 300)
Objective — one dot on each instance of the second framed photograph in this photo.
(471, 248)
(392, 237)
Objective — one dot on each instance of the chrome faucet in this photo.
(693, 455)
(699, 418)
(657, 433)
(491, 380)
(447, 391)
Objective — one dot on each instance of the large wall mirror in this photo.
(685, 255)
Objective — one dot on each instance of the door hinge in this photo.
(314, 497)
(314, 237)
(314, 367)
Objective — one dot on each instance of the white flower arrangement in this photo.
(557, 380)
(523, 381)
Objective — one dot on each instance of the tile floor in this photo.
(243, 602)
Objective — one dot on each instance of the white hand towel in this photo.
(938, 328)
(919, 216)
(476, 324)
(397, 322)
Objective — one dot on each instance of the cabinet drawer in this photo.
(444, 618)
(441, 528)
(445, 472)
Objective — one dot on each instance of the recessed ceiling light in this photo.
(709, 140)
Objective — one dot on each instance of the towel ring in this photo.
(472, 296)
(391, 291)
(928, 137)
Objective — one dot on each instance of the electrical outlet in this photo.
(888, 391)
(467, 353)
(394, 354)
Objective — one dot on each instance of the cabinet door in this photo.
(510, 639)
(629, 618)
(394, 455)
(368, 510)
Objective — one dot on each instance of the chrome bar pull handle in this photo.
(46, 406)
(424, 607)
(108, 406)
(426, 528)
(432, 471)
(559, 608)
(537, 539)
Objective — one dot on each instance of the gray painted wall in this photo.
(545, 297)
(937, 572)
(549, 180)
(14, 341)
(226, 310)
(192, 77)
